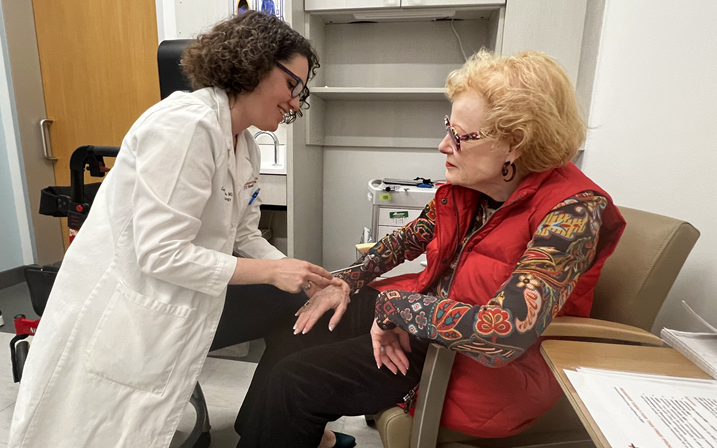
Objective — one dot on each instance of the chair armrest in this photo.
(439, 362)
(432, 392)
(585, 327)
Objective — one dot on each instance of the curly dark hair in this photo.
(238, 53)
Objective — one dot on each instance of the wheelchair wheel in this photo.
(21, 350)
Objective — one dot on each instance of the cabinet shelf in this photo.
(380, 93)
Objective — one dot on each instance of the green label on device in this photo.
(398, 215)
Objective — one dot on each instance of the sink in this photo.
(267, 159)
(268, 153)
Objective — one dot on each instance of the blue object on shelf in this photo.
(267, 7)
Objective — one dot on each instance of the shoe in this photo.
(344, 440)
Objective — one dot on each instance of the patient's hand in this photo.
(389, 347)
(335, 296)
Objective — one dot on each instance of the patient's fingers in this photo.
(389, 364)
(309, 314)
(394, 352)
(333, 297)
(376, 349)
(387, 350)
(338, 314)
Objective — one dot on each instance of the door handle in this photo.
(46, 142)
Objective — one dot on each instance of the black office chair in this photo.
(169, 60)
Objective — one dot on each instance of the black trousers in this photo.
(254, 312)
(306, 381)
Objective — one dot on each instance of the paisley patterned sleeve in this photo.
(406, 243)
(562, 249)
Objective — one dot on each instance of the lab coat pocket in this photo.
(138, 341)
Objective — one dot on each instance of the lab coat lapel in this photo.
(241, 169)
(225, 122)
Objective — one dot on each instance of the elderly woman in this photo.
(518, 236)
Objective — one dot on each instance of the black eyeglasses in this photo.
(456, 138)
(298, 87)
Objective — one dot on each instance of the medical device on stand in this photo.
(395, 203)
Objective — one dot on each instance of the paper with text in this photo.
(645, 411)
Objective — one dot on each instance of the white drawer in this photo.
(273, 189)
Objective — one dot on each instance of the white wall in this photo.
(347, 210)
(15, 239)
(654, 142)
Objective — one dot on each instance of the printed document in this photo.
(649, 411)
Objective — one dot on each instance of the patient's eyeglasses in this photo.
(456, 138)
(298, 87)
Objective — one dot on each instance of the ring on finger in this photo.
(308, 302)
(382, 349)
(308, 286)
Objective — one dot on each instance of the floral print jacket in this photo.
(562, 249)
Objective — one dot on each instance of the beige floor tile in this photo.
(227, 385)
(5, 420)
(337, 426)
(221, 421)
(210, 366)
(366, 436)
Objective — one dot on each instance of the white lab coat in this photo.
(137, 300)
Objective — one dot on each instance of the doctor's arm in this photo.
(262, 263)
(406, 243)
(175, 166)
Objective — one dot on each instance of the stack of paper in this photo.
(700, 348)
(649, 411)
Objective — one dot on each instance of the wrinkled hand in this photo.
(389, 347)
(293, 275)
(335, 296)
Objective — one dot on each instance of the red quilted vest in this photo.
(499, 402)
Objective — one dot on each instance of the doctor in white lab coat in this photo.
(136, 303)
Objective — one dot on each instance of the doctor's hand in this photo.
(287, 274)
(389, 347)
(335, 296)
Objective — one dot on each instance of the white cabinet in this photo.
(380, 84)
(335, 5)
(447, 3)
(554, 27)
(381, 80)
(273, 189)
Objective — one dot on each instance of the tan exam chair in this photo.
(633, 285)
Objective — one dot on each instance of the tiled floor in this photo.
(15, 300)
(223, 381)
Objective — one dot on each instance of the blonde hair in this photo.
(530, 105)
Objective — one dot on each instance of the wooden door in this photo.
(99, 72)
